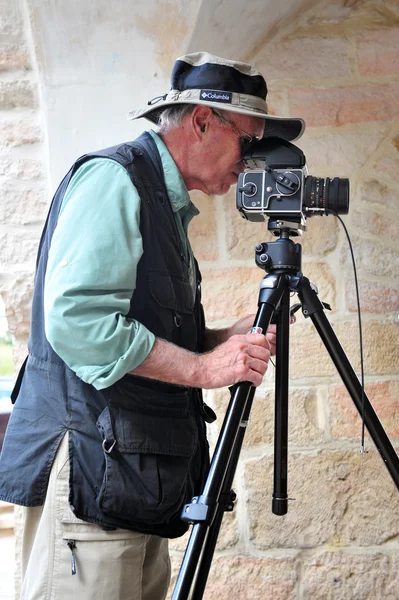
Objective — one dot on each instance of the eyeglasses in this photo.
(244, 138)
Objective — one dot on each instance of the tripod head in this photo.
(279, 256)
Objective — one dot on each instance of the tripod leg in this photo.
(227, 499)
(203, 510)
(280, 494)
(314, 308)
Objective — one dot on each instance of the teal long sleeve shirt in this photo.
(92, 267)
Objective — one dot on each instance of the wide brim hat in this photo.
(203, 78)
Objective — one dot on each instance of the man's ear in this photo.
(200, 119)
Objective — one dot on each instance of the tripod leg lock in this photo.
(310, 301)
(199, 510)
(227, 501)
(202, 510)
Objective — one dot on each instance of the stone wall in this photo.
(23, 170)
(337, 67)
(24, 200)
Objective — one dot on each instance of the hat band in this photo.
(236, 100)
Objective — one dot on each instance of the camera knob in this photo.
(249, 189)
(258, 248)
(264, 259)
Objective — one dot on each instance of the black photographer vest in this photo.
(137, 449)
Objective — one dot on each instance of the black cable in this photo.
(362, 449)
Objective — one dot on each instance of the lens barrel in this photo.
(324, 195)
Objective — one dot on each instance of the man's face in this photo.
(227, 132)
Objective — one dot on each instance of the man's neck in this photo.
(183, 153)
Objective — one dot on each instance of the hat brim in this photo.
(289, 129)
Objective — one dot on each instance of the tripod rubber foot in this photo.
(280, 506)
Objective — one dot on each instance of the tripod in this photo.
(281, 259)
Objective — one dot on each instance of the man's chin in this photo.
(223, 189)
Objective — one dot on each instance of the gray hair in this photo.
(172, 117)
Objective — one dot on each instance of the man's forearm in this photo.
(170, 363)
(240, 358)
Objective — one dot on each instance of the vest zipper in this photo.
(72, 546)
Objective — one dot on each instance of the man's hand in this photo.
(244, 326)
(241, 358)
(214, 337)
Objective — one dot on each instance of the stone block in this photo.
(309, 358)
(371, 515)
(29, 205)
(314, 516)
(18, 132)
(320, 274)
(250, 578)
(351, 16)
(372, 257)
(378, 52)
(306, 417)
(380, 340)
(246, 578)
(342, 575)
(371, 220)
(291, 57)
(18, 248)
(17, 297)
(277, 101)
(229, 534)
(306, 414)
(11, 19)
(378, 192)
(5, 163)
(17, 94)
(335, 106)
(338, 501)
(28, 168)
(375, 297)
(13, 57)
(340, 154)
(385, 168)
(20, 349)
(202, 229)
(345, 419)
(320, 238)
(230, 293)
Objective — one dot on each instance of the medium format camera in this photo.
(277, 186)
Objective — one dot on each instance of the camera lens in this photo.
(324, 195)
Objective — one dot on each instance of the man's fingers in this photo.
(258, 354)
(257, 339)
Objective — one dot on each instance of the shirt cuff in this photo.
(102, 377)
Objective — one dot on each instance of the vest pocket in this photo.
(147, 462)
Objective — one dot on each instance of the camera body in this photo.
(262, 194)
(277, 187)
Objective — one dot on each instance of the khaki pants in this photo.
(110, 565)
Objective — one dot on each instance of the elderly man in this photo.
(107, 438)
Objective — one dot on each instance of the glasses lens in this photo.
(245, 143)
